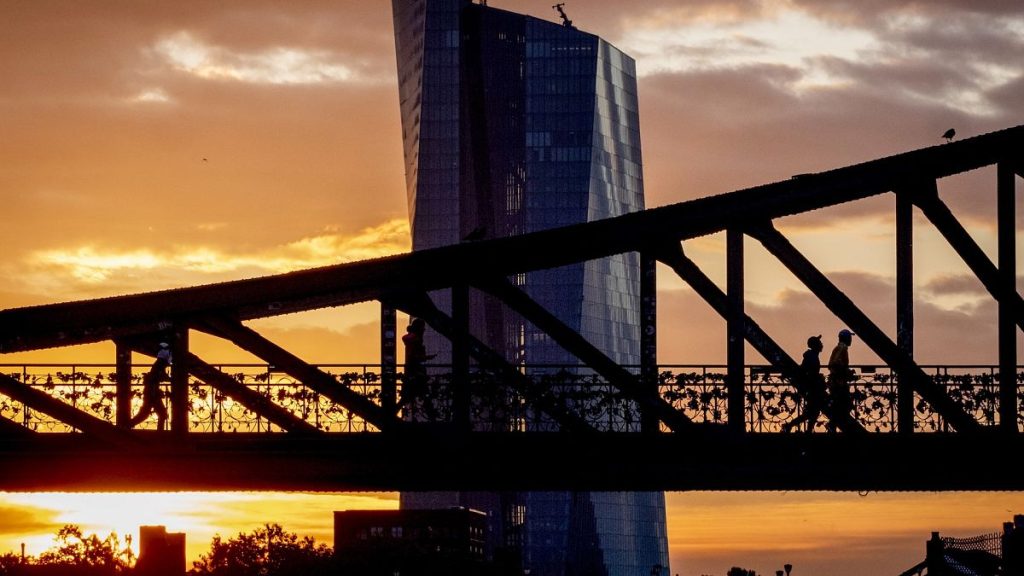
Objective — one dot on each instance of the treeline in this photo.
(266, 551)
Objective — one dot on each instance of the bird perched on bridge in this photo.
(948, 135)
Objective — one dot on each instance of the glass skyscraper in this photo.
(512, 124)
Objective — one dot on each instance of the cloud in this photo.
(17, 519)
(865, 12)
(152, 95)
(690, 331)
(814, 91)
(274, 65)
(956, 285)
(788, 38)
(90, 271)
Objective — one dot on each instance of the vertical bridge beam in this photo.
(388, 358)
(648, 336)
(123, 382)
(179, 379)
(1007, 240)
(460, 357)
(904, 307)
(735, 377)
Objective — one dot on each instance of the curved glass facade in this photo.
(513, 124)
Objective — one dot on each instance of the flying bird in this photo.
(948, 135)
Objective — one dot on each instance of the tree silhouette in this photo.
(74, 548)
(266, 551)
(9, 562)
(79, 553)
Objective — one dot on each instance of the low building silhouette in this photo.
(161, 553)
(412, 542)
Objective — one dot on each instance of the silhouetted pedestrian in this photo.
(811, 385)
(414, 385)
(151, 400)
(839, 378)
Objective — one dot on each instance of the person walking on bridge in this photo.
(414, 384)
(811, 385)
(151, 400)
(839, 378)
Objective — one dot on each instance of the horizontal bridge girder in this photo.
(96, 320)
(436, 460)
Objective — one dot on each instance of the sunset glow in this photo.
(199, 515)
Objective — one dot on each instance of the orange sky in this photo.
(163, 144)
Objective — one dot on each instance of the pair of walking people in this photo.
(817, 390)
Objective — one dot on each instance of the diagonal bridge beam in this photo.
(252, 400)
(689, 272)
(66, 413)
(320, 381)
(926, 197)
(224, 383)
(844, 308)
(540, 398)
(575, 344)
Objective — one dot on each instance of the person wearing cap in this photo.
(811, 385)
(839, 377)
(151, 400)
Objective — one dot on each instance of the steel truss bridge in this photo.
(289, 424)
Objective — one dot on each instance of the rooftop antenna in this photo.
(561, 11)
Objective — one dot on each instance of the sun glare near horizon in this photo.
(34, 518)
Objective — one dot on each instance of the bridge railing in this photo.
(698, 391)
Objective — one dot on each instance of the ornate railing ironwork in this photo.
(699, 392)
